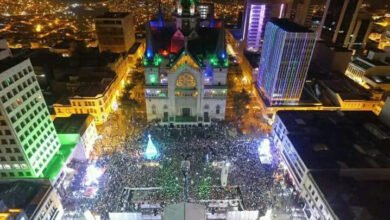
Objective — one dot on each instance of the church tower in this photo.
(186, 15)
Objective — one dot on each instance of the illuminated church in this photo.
(186, 66)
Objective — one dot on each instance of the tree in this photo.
(240, 101)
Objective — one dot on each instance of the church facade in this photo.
(186, 67)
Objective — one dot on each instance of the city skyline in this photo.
(230, 110)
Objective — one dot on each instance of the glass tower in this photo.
(284, 62)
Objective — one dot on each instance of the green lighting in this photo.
(171, 187)
(152, 78)
(157, 60)
(57, 162)
(214, 60)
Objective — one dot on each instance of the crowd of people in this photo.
(162, 179)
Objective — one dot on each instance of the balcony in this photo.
(186, 118)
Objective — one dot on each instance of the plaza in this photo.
(130, 182)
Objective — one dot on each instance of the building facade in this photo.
(80, 129)
(185, 70)
(206, 10)
(309, 13)
(369, 73)
(95, 97)
(257, 13)
(4, 49)
(339, 21)
(27, 134)
(115, 32)
(284, 61)
(37, 200)
(361, 31)
(313, 143)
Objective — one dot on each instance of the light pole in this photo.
(185, 168)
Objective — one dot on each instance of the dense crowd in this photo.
(206, 148)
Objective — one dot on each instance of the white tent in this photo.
(243, 215)
(125, 215)
(185, 211)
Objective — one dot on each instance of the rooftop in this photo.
(346, 88)
(24, 195)
(62, 45)
(134, 48)
(87, 57)
(347, 195)
(93, 89)
(169, 42)
(307, 99)
(380, 79)
(289, 26)
(10, 62)
(338, 140)
(75, 124)
(113, 15)
(366, 63)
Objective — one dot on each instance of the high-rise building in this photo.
(4, 49)
(115, 32)
(257, 14)
(339, 21)
(309, 13)
(27, 135)
(284, 61)
(206, 10)
(360, 31)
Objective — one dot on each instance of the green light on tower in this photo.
(214, 60)
(157, 60)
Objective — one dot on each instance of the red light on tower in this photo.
(165, 53)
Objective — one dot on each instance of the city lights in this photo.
(264, 151)
(232, 109)
(93, 174)
(151, 152)
(38, 28)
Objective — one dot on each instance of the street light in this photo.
(244, 80)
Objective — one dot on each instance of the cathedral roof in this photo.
(204, 43)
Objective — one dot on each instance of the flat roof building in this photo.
(256, 15)
(348, 198)
(80, 130)
(90, 95)
(369, 73)
(353, 145)
(115, 32)
(29, 200)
